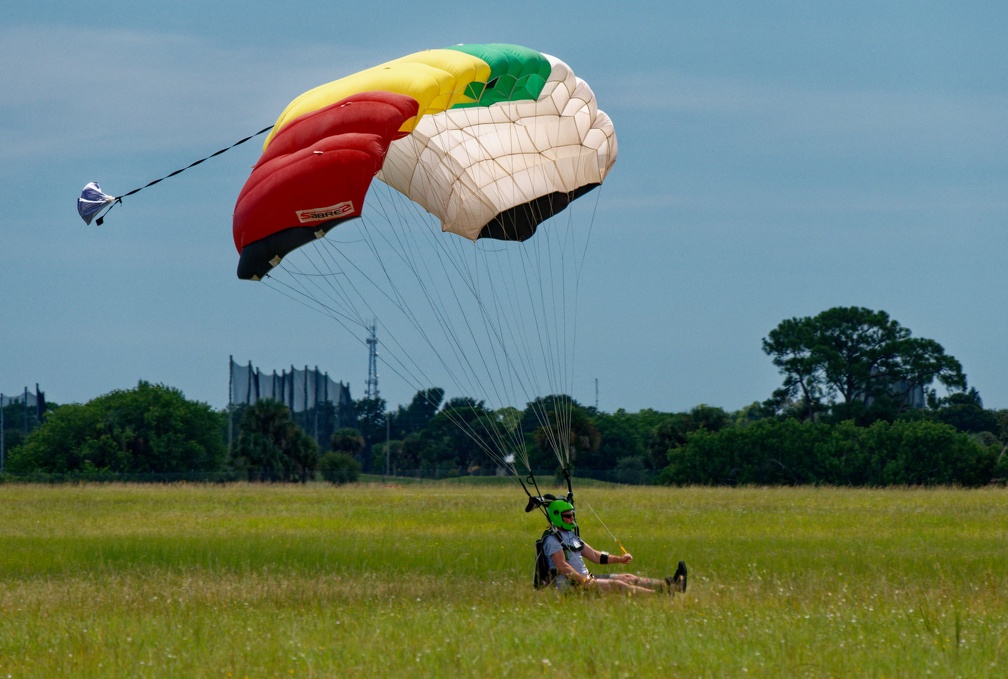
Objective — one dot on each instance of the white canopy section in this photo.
(468, 165)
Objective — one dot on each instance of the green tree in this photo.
(789, 452)
(1002, 424)
(417, 414)
(632, 470)
(272, 447)
(458, 437)
(392, 454)
(372, 422)
(510, 418)
(792, 347)
(620, 437)
(322, 420)
(861, 360)
(20, 419)
(710, 418)
(151, 429)
(347, 440)
(340, 464)
(747, 415)
(966, 413)
(666, 437)
(339, 467)
(560, 428)
(672, 432)
(74, 439)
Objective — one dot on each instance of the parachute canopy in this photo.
(490, 139)
(92, 201)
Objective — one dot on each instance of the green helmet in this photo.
(555, 509)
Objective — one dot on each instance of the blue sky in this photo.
(776, 159)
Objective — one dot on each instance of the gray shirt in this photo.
(572, 545)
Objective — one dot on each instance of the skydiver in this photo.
(566, 553)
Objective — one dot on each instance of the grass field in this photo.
(434, 580)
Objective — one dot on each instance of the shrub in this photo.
(788, 452)
(151, 429)
(339, 468)
(631, 470)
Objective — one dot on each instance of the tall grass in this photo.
(435, 580)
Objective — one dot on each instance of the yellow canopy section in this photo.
(437, 79)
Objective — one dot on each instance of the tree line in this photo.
(858, 406)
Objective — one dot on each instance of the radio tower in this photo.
(372, 378)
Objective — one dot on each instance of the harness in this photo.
(545, 575)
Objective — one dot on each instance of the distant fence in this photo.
(299, 390)
(318, 404)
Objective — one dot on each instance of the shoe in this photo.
(680, 576)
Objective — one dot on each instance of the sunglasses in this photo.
(567, 516)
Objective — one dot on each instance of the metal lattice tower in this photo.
(372, 380)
